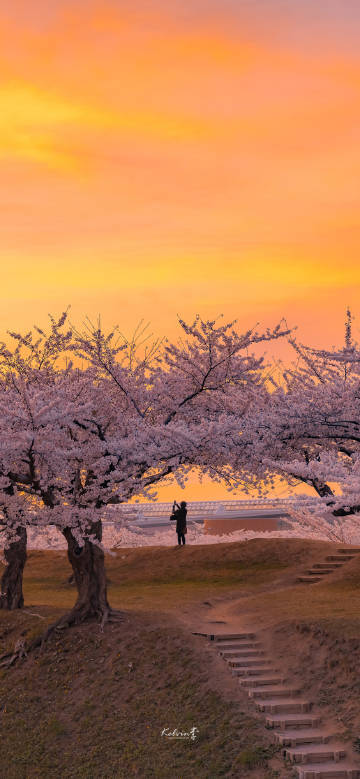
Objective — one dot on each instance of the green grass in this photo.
(165, 576)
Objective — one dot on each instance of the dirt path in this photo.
(218, 614)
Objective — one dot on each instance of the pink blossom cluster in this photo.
(89, 419)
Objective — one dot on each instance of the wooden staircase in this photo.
(308, 744)
(331, 564)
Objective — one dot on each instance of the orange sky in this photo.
(161, 158)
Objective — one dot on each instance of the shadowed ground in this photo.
(94, 705)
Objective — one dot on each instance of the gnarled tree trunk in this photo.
(88, 566)
(11, 596)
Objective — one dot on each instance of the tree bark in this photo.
(11, 596)
(324, 490)
(88, 566)
(321, 488)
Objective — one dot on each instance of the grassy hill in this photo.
(92, 704)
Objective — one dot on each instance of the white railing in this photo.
(144, 513)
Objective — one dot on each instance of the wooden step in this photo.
(339, 558)
(314, 753)
(308, 579)
(330, 770)
(293, 721)
(319, 572)
(239, 647)
(262, 681)
(256, 672)
(243, 652)
(298, 736)
(235, 659)
(333, 566)
(279, 691)
(251, 663)
(229, 646)
(352, 550)
(283, 706)
(230, 636)
(235, 671)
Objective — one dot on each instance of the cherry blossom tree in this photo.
(76, 441)
(155, 415)
(26, 370)
(308, 430)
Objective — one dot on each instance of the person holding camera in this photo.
(179, 514)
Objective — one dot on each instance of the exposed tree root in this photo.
(33, 614)
(18, 652)
(92, 604)
(73, 618)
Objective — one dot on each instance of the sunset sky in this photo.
(171, 157)
(180, 157)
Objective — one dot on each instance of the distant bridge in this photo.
(158, 514)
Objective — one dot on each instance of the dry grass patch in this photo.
(168, 577)
(79, 709)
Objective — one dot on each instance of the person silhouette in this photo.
(179, 514)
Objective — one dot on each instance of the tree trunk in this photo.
(88, 566)
(348, 512)
(11, 596)
(89, 573)
(321, 488)
(324, 490)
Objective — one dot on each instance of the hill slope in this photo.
(93, 704)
